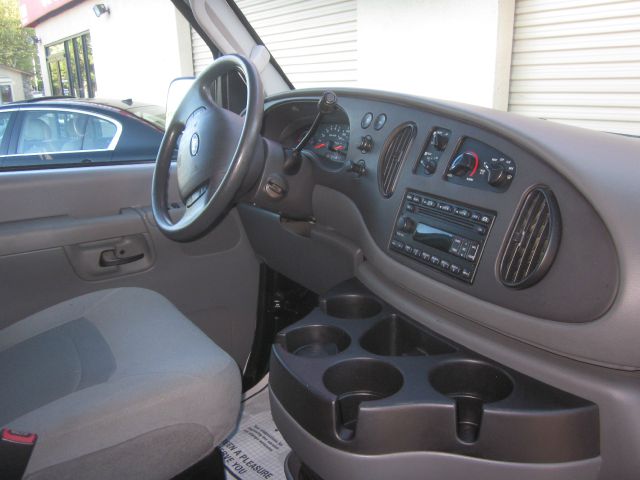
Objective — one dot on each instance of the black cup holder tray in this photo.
(361, 378)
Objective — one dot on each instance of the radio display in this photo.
(433, 237)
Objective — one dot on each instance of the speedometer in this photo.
(331, 141)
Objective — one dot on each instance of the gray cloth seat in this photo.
(117, 384)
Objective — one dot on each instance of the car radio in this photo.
(442, 234)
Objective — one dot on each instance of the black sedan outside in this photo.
(63, 132)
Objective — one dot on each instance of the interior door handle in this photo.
(108, 258)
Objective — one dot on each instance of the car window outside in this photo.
(153, 114)
(4, 122)
(51, 131)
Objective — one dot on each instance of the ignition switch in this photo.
(276, 187)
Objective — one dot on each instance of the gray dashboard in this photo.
(583, 308)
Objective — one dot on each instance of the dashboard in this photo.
(499, 232)
(444, 198)
(456, 206)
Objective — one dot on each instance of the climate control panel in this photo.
(479, 165)
(441, 234)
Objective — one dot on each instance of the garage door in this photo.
(201, 54)
(314, 41)
(578, 62)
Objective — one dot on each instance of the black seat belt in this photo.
(15, 451)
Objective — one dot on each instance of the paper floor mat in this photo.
(256, 450)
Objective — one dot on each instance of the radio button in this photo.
(445, 207)
(425, 256)
(463, 212)
(411, 207)
(455, 246)
(466, 273)
(435, 260)
(397, 245)
(408, 249)
(473, 251)
(428, 202)
(475, 216)
(455, 269)
(444, 264)
(416, 252)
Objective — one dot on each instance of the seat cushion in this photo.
(117, 384)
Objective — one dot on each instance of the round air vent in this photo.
(533, 240)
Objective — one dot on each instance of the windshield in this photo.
(573, 62)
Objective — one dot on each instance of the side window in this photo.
(52, 131)
(4, 123)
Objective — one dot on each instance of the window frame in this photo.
(5, 141)
(14, 144)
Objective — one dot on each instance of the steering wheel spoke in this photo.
(215, 151)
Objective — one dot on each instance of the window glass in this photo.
(59, 131)
(4, 123)
(6, 95)
(70, 65)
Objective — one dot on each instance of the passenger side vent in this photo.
(534, 240)
(393, 155)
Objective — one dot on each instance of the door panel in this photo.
(56, 225)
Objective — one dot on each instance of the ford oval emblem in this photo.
(195, 144)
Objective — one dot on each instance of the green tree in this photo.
(17, 48)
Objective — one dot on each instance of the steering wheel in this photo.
(215, 151)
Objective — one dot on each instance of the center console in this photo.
(356, 380)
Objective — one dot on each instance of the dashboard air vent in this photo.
(533, 241)
(392, 158)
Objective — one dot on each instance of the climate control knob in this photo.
(439, 140)
(464, 164)
(406, 224)
(496, 175)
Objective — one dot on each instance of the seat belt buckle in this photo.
(15, 450)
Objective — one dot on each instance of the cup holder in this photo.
(352, 306)
(357, 381)
(315, 341)
(471, 384)
(397, 337)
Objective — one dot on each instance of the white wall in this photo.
(461, 49)
(138, 48)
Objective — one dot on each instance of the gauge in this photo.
(330, 142)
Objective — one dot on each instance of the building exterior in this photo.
(15, 84)
(573, 61)
(132, 50)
